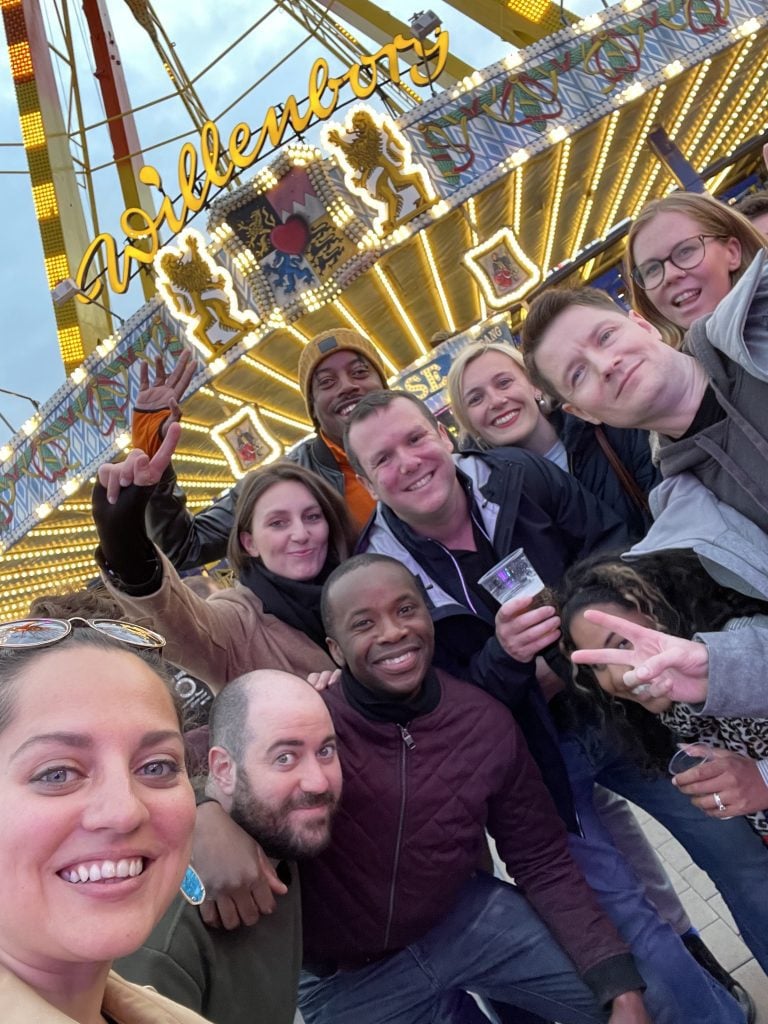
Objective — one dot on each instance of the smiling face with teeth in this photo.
(338, 384)
(408, 466)
(499, 404)
(685, 295)
(97, 808)
(382, 628)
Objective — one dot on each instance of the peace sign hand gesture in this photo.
(661, 665)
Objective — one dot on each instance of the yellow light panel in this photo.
(71, 344)
(44, 198)
(32, 130)
(20, 58)
(56, 269)
(533, 10)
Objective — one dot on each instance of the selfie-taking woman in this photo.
(97, 819)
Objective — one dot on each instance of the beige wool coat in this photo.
(218, 639)
(123, 1002)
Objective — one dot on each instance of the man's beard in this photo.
(270, 826)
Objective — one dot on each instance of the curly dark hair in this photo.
(676, 593)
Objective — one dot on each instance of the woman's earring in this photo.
(192, 888)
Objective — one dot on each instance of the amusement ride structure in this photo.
(434, 199)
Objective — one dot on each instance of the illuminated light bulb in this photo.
(43, 510)
(589, 24)
(675, 68)
(632, 92)
(78, 375)
(30, 426)
(71, 486)
(631, 5)
(557, 134)
(123, 439)
(512, 60)
(747, 28)
(5, 452)
(218, 365)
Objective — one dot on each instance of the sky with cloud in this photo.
(29, 355)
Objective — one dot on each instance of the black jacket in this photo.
(517, 500)
(589, 464)
(188, 540)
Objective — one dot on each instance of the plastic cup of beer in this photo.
(513, 576)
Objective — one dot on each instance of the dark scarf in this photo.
(294, 602)
(383, 707)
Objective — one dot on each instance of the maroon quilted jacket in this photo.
(410, 831)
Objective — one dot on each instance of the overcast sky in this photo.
(29, 355)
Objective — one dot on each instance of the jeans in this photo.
(676, 982)
(730, 852)
(630, 840)
(490, 941)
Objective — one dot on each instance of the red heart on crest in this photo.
(291, 237)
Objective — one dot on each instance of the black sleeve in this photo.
(125, 551)
(188, 540)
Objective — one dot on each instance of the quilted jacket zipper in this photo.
(408, 744)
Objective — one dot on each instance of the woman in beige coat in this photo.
(291, 530)
(97, 819)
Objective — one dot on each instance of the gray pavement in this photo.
(708, 913)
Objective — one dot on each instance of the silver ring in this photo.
(718, 802)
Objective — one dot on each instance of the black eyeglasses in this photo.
(30, 633)
(685, 256)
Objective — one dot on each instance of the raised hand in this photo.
(661, 665)
(138, 468)
(167, 390)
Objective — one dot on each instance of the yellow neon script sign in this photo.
(323, 97)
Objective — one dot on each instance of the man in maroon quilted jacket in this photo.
(396, 915)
